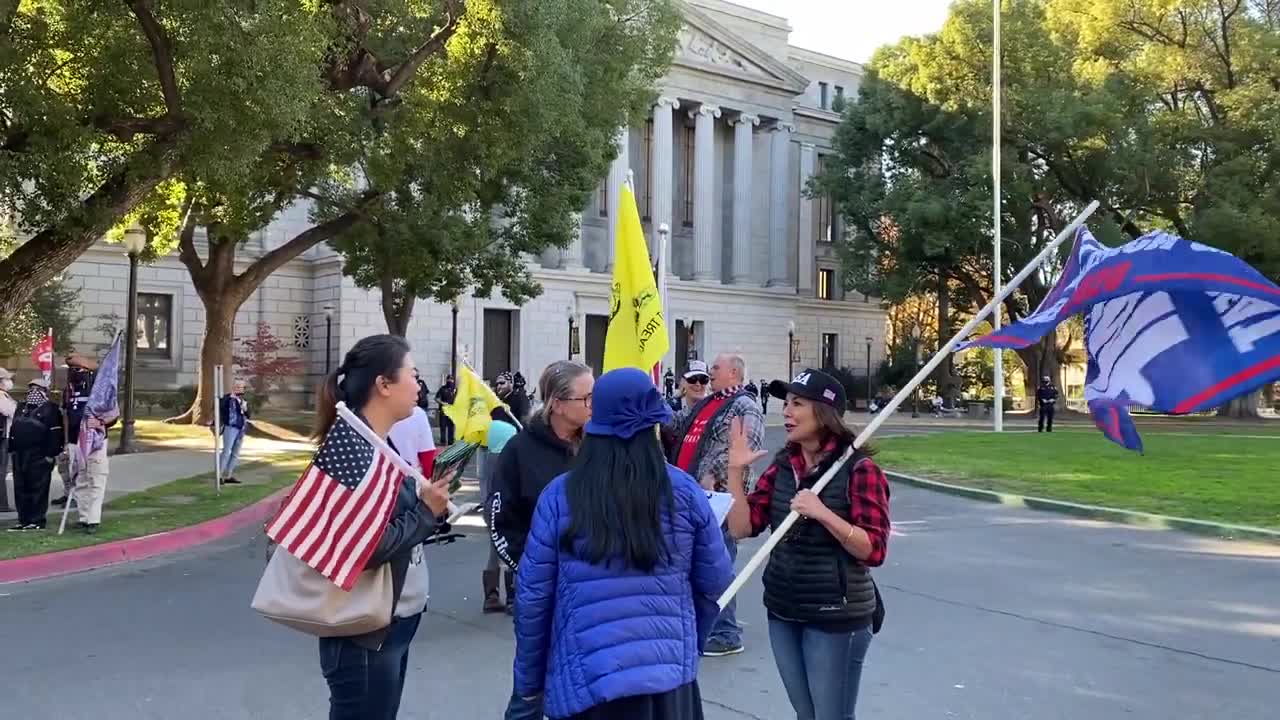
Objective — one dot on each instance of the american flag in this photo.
(339, 508)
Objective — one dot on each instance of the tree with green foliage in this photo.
(494, 107)
(102, 103)
(474, 180)
(1165, 112)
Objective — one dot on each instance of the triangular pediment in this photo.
(706, 44)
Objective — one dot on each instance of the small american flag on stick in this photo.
(338, 510)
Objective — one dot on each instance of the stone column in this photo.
(661, 171)
(780, 164)
(805, 248)
(743, 152)
(617, 177)
(704, 196)
(571, 256)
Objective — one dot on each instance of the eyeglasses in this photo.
(698, 380)
(585, 400)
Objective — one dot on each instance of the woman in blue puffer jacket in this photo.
(617, 589)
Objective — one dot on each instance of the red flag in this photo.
(42, 354)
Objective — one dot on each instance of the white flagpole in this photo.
(455, 511)
(217, 428)
(664, 233)
(997, 407)
(776, 536)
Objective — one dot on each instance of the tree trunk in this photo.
(1039, 360)
(222, 292)
(1244, 407)
(948, 383)
(37, 261)
(397, 303)
(215, 349)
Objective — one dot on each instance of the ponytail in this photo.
(353, 382)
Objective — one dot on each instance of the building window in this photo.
(830, 341)
(686, 169)
(824, 215)
(824, 96)
(302, 332)
(837, 104)
(646, 181)
(826, 279)
(602, 198)
(154, 324)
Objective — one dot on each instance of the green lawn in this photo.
(177, 504)
(1223, 478)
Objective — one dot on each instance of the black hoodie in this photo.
(529, 462)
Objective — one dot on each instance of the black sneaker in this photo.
(720, 648)
(20, 527)
(91, 528)
(60, 502)
(230, 481)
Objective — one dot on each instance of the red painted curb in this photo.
(65, 562)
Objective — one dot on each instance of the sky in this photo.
(853, 29)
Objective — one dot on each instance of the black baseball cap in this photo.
(812, 385)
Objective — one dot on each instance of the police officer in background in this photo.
(1046, 397)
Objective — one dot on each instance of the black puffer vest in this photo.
(810, 577)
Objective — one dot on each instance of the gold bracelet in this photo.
(848, 537)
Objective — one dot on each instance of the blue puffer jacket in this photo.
(587, 634)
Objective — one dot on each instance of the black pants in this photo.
(31, 477)
(1046, 418)
(446, 430)
(367, 684)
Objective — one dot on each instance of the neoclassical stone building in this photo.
(742, 121)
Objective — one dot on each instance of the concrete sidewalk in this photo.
(142, 471)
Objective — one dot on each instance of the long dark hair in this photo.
(618, 491)
(353, 381)
(831, 425)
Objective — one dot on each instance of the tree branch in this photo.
(255, 274)
(453, 13)
(163, 53)
(187, 240)
(126, 128)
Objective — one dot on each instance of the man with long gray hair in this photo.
(698, 443)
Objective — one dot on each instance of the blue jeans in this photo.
(231, 439)
(726, 628)
(820, 670)
(367, 684)
(521, 709)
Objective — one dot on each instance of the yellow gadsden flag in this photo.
(471, 408)
(637, 335)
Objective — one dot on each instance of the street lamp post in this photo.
(791, 349)
(869, 394)
(568, 311)
(453, 342)
(328, 338)
(135, 241)
(915, 392)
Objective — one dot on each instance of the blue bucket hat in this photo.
(626, 402)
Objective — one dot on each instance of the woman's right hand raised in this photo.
(741, 456)
(435, 494)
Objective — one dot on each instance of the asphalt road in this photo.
(993, 613)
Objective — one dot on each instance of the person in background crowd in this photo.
(499, 434)
(515, 396)
(753, 391)
(1046, 399)
(669, 385)
(693, 386)
(623, 566)
(528, 463)
(91, 478)
(233, 417)
(700, 447)
(412, 437)
(80, 375)
(764, 398)
(424, 396)
(366, 673)
(35, 442)
(447, 393)
(8, 409)
(822, 603)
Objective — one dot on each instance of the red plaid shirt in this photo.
(868, 496)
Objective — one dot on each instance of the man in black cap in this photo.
(1046, 398)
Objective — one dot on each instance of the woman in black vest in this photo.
(818, 590)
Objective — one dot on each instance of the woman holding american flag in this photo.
(354, 511)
